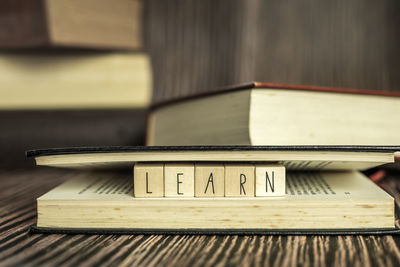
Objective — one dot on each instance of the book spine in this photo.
(208, 180)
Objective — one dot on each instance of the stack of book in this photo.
(255, 158)
(73, 73)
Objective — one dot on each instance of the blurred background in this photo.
(83, 73)
(198, 45)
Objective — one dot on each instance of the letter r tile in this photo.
(239, 180)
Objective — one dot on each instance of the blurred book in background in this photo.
(58, 88)
(74, 79)
(72, 23)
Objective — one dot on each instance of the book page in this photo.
(316, 165)
(94, 185)
(327, 185)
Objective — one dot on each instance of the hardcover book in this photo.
(276, 114)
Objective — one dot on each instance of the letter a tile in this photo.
(209, 180)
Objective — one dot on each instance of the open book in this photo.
(336, 199)
(326, 200)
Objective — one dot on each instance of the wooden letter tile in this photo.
(179, 180)
(148, 180)
(239, 180)
(209, 180)
(270, 180)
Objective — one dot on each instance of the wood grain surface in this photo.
(197, 46)
(20, 188)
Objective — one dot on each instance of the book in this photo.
(71, 23)
(74, 80)
(313, 200)
(292, 157)
(71, 98)
(277, 114)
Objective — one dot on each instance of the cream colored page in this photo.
(320, 118)
(346, 186)
(214, 120)
(332, 185)
(94, 185)
(316, 165)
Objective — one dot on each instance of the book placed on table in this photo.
(71, 23)
(331, 196)
(277, 114)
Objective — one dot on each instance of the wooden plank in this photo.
(207, 45)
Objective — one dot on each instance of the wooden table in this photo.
(20, 188)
